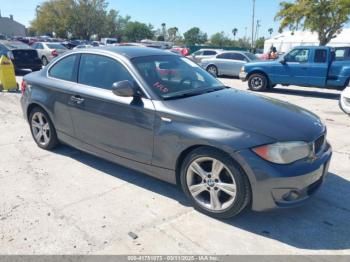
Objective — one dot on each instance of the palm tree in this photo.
(164, 30)
(270, 31)
(234, 32)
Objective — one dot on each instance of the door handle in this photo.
(77, 100)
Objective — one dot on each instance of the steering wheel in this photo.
(187, 81)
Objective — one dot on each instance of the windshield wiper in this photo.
(193, 93)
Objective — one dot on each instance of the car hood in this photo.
(260, 63)
(265, 116)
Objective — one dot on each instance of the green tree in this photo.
(135, 31)
(260, 42)
(325, 17)
(270, 30)
(220, 39)
(195, 36)
(234, 32)
(53, 16)
(77, 18)
(172, 33)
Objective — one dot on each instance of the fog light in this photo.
(291, 196)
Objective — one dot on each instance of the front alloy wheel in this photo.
(214, 189)
(215, 183)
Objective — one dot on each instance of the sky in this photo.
(210, 16)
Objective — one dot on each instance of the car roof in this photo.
(211, 49)
(9, 44)
(132, 51)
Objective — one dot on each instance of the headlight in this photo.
(284, 153)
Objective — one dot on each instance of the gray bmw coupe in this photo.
(161, 114)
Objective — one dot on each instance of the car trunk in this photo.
(25, 55)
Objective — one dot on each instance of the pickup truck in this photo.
(316, 66)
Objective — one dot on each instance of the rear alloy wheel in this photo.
(42, 129)
(212, 70)
(44, 61)
(214, 183)
(257, 82)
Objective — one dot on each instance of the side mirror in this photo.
(283, 61)
(124, 88)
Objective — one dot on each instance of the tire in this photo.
(212, 69)
(258, 82)
(42, 129)
(230, 185)
(44, 61)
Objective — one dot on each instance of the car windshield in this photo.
(251, 56)
(172, 76)
(56, 46)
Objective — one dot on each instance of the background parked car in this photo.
(21, 55)
(82, 46)
(345, 100)
(180, 50)
(201, 54)
(228, 63)
(48, 51)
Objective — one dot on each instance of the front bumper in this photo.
(243, 76)
(344, 103)
(275, 186)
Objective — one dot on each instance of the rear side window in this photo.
(224, 56)
(101, 71)
(320, 56)
(65, 69)
(342, 54)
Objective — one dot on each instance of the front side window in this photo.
(208, 53)
(320, 56)
(101, 71)
(64, 69)
(171, 76)
(298, 56)
(239, 57)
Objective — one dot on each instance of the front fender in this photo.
(172, 138)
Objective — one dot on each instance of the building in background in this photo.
(10, 27)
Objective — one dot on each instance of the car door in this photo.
(62, 76)
(235, 63)
(294, 69)
(222, 62)
(119, 125)
(207, 54)
(318, 70)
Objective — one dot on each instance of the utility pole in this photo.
(253, 24)
(257, 30)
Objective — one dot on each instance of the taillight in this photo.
(23, 86)
(54, 52)
(10, 55)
